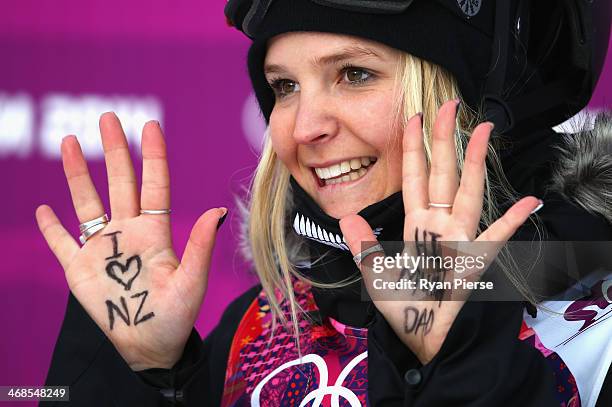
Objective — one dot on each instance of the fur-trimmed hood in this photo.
(583, 173)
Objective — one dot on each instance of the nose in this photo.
(315, 120)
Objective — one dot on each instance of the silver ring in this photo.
(440, 205)
(90, 223)
(155, 211)
(89, 232)
(358, 258)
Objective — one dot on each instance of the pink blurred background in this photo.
(63, 63)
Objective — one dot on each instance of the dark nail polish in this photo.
(221, 220)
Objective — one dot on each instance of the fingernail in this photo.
(492, 125)
(458, 106)
(222, 218)
(537, 208)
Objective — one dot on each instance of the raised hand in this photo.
(127, 275)
(439, 207)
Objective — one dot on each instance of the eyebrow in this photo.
(335, 58)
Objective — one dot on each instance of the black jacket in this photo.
(482, 359)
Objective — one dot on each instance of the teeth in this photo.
(323, 173)
(344, 168)
(348, 170)
(351, 176)
(335, 170)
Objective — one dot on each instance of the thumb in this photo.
(374, 271)
(359, 237)
(195, 263)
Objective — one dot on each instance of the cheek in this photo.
(282, 143)
(373, 119)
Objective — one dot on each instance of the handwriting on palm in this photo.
(127, 276)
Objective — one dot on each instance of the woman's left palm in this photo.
(440, 207)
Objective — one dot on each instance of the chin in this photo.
(347, 205)
(340, 213)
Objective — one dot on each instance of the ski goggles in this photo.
(257, 10)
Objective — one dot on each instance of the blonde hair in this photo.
(421, 86)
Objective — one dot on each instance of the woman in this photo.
(350, 160)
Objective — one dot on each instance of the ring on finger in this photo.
(90, 223)
(87, 233)
(440, 205)
(155, 211)
(358, 258)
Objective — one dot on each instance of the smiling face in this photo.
(333, 120)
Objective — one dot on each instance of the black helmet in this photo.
(520, 62)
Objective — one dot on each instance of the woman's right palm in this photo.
(127, 276)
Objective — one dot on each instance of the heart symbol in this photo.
(123, 278)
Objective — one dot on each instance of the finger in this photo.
(121, 179)
(467, 207)
(85, 198)
(414, 166)
(155, 192)
(444, 178)
(503, 228)
(358, 234)
(63, 246)
(195, 263)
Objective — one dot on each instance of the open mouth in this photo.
(345, 171)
